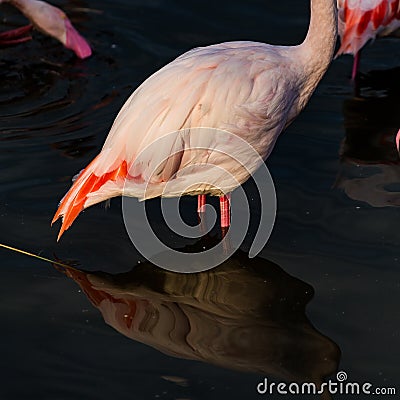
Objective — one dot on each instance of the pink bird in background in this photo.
(48, 19)
(251, 90)
(362, 20)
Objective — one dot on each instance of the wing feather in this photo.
(221, 90)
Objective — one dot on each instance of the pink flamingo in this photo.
(49, 20)
(362, 20)
(253, 90)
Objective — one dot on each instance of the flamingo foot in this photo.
(15, 36)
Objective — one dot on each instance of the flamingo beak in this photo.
(76, 42)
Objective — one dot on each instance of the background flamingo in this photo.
(362, 20)
(253, 90)
(49, 20)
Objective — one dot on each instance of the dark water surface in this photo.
(322, 296)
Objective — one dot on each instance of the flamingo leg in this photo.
(224, 203)
(15, 36)
(356, 64)
(201, 210)
(201, 202)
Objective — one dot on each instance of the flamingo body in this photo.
(252, 90)
(363, 20)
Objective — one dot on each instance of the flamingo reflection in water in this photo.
(49, 20)
(370, 162)
(246, 314)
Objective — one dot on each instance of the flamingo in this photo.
(362, 20)
(253, 90)
(49, 20)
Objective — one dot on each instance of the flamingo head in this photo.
(54, 22)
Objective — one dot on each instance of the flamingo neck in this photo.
(319, 45)
(22, 5)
